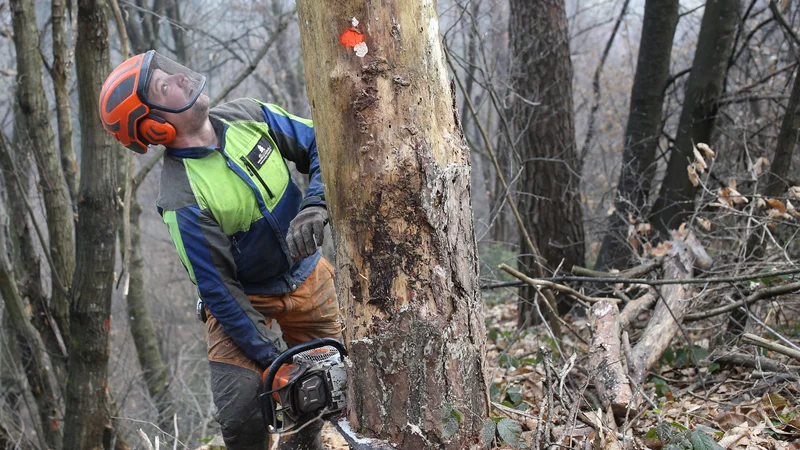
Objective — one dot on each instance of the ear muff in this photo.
(156, 130)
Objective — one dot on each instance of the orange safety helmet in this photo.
(125, 102)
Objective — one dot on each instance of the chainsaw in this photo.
(305, 383)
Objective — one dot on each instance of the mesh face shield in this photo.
(167, 85)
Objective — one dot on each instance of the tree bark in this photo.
(715, 43)
(781, 166)
(34, 125)
(61, 64)
(642, 131)
(183, 50)
(23, 253)
(397, 185)
(606, 361)
(541, 74)
(670, 308)
(87, 409)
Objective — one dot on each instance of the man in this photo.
(245, 234)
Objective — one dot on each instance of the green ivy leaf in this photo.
(702, 441)
(509, 431)
(489, 429)
(651, 434)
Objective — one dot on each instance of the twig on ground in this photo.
(774, 346)
(758, 295)
(755, 362)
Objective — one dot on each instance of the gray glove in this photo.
(304, 229)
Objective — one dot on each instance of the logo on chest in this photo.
(260, 153)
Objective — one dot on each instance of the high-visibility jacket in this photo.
(228, 209)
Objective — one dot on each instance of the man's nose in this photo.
(181, 79)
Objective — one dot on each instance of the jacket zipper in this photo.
(253, 171)
(236, 245)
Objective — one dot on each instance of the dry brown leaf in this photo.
(693, 175)
(644, 229)
(682, 230)
(612, 209)
(724, 196)
(699, 162)
(791, 210)
(705, 223)
(777, 204)
(759, 200)
(794, 192)
(737, 198)
(661, 249)
(777, 214)
(759, 165)
(706, 150)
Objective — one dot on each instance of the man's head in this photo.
(150, 99)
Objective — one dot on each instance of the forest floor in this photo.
(686, 400)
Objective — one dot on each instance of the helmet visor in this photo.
(169, 86)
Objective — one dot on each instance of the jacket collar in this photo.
(201, 152)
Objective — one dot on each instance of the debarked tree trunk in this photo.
(397, 179)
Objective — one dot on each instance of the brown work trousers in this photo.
(309, 312)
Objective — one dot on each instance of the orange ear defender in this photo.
(156, 130)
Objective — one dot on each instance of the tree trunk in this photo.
(642, 131)
(61, 64)
(36, 131)
(156, 375)
(676, 197)
(32, 356)
(550, 199)
(23, 254)
(183, 50)
(87, 410)
(781, 166)
(397, 185)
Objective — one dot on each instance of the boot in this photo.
(309, 438)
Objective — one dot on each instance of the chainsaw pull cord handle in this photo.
(269, 376)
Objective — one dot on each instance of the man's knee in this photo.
(235, 392)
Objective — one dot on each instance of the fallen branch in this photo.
(668, 314)
(633, 272)
(636, 307)
(755, 362)
(758, 295)
(665, 281)
(774, 346)
(556, 287)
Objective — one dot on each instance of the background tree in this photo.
(642, 132)
(397, 186)
(87, 411)
(541, 76)
(706, 79)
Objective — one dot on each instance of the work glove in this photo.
(306, 231)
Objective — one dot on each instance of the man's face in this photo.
(171, 91)
(175, 91)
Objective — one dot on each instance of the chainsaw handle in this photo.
(269, 374)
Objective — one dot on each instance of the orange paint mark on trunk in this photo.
(351, 38)
(107, 324)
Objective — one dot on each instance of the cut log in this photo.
(668, 313)
(606, 360)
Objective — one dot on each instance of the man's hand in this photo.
(304, 229)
